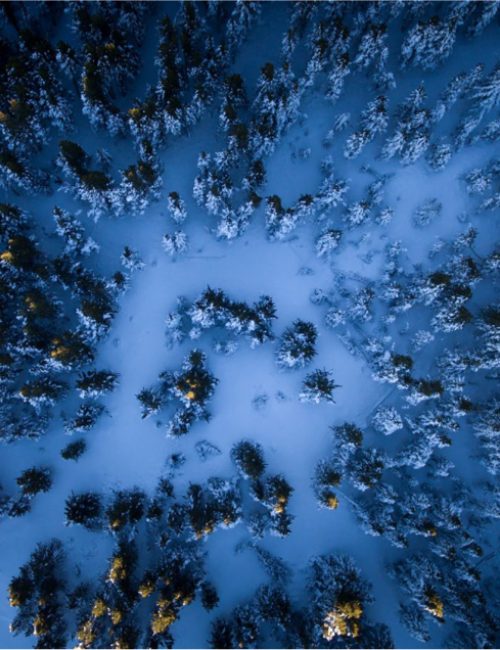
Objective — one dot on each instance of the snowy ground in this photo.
(125, 451)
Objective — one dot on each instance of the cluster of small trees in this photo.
(273, 492)
(193, 58)
(443, 580)
(168, 531)
(440, 592)
(296, 347)
(397, 492)
(169, 583)
(40, 338)
(89, 180)
(38, 594)
(31, 482)
(281, 221)
(55, 310)
(333, 612)
(193, 386)
(214, 309)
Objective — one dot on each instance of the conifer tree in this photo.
(248, 456)
(35, 480)
(296, 348)
(84, 509)
(318, 387)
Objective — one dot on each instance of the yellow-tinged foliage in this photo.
(99, 608)
(351, 609)
(135, 113)
(14, 600)
(60, 352)
(86, 634)
(147, 588)
(343, 620)
(332, 502)
(40, 625)
(207, 529)
(116, 616)
(430, 529)
(162, 619)
(434, 605)
(189, 394)
(118, 571)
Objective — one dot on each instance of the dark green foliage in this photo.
(348, 434)
(150, 402)
(222, 635)
(96, 382)
(248, 456)
(19, 507)
(209, 596)
(85, 418)
(74, 450)
(35, 480)
(37, 594)
(318, 386)
(84, 509)
(296, 347)
(127, 509)
(43, 391)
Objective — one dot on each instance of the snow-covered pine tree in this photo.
(317, 387)
(248, 456)
(176, 207)
(72, 231)
(429, 43)
(297, 346)
(84, 509)
(35, 480)
(176, 244)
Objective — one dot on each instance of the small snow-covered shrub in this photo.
(387, 420)
(176, 244)
(176, 208)
(327, 242)
(206, 450)
(131, 260)
(427, 213)
(357, 214)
